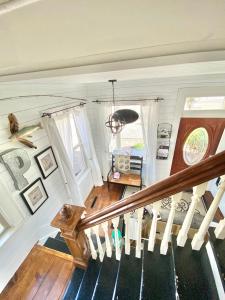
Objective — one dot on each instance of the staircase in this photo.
(172, 268)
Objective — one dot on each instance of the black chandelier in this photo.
(118, 119)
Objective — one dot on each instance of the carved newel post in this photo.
(66, 220)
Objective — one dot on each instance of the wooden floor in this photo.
(42, 276)
(104, 196)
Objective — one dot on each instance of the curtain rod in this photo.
(44, 95)
(48, 114)
(126, 100)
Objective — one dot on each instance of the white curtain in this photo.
(84, 132)
(104, 110)
(150, 116)
(60, 137)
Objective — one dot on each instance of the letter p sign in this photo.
(17, 162)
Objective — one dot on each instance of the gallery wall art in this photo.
(34, 195)
(46, 162)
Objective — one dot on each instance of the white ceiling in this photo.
(56, 33)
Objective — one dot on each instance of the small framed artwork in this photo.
(46, 162)
(34, 195)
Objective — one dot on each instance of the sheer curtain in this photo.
(104, 110)
(83, 128)
(150, 115)
(60, 136)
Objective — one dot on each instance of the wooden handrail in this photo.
(201, 172)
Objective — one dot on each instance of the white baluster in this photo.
(107, 240)
(220, 230)
(92, 247)
(115, 222)
(139, 212)
(198, 239)
(100, 249)
(127, 233)
(169, 224)
(152, 232)
(198, 192)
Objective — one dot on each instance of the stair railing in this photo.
(78, 229)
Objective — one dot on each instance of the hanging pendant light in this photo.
(118, 119)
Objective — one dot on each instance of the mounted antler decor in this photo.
(20, 135)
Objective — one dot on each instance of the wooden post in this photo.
(75, 240)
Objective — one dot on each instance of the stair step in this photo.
(194, 275)
(57, 245)
(158, 275)
(107, 279)
(219, 250)
(129, 279)
(89, 280)
(74, 285)
(59, 237)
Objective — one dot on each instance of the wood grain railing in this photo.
(199, 173)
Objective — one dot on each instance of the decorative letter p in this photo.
(17, 162)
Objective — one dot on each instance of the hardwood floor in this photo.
(104, 197)
(41, 276)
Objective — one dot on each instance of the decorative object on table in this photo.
(116, 175)
(164, 131)
(17, 163)
(21, 135)
(46, 162)
(65, 212)
(118, 119)
(34, 195)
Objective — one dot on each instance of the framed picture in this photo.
(46, 162)
(34, 195)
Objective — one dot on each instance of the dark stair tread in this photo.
(74, 284)
(59, 237)
(219, 251)
(158, 275)
(107, 279)
(129, 279)
(89, 280)
(194, 275)
(57, 245)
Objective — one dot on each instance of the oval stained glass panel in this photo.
(195, 146)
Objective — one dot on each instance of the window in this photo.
(132, 134)
(79, 164)
(195, 146)
(3, 225)
(205, 103)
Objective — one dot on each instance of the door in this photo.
(197, 139)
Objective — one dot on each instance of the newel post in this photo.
(66, 220)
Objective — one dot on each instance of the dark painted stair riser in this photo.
(57, 244)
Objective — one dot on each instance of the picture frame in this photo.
(46, 162)
(34, 195)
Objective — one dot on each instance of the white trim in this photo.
(215, 271)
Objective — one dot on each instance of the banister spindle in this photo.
(169, 224)
(92, 247)
(198, 239)
(115, 223)
(152, 233)
(127, 233)
(220, 230)
(139, 212)
(100, 249)
(105, 228)
(198, 192)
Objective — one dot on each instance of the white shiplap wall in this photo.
(171, 89)
(33, 227)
